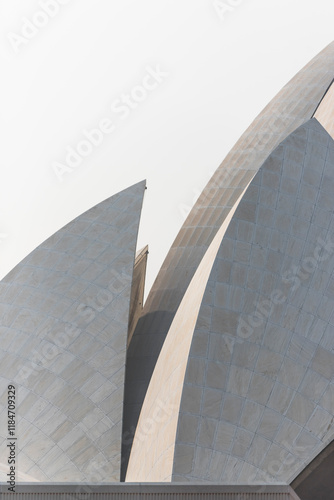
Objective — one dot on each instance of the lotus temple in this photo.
(220, 385)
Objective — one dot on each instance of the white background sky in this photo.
(222, 70)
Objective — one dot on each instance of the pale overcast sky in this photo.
(171, 84)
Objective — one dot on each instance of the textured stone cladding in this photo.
(258, 396)
(64, 318)
(293, 106)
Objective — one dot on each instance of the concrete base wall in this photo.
(143, 491)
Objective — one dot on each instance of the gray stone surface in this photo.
(275, 381)
(292, 107)
(316, 480)
(64, 321)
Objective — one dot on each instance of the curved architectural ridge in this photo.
(64, 322)
(258, 399)
(325, 112)
(293, 106)
(137, 289)
(152, 452)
